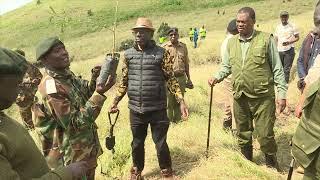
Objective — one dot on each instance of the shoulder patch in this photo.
(51, 86)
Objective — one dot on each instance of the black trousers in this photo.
(159, 123)
(287, 58)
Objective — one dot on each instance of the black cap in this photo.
(232, 26)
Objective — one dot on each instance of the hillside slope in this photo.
(89, 36)
(187, 140)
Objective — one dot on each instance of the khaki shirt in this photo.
(272, 56)
(179, 54)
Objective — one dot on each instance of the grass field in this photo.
(187, 140)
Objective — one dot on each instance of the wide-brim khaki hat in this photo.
(143, 23)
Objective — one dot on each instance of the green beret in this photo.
(12, 62)
(46, 45)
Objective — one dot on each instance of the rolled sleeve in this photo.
(97, 99)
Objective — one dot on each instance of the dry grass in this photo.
(187, 140)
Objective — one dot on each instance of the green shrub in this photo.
(126, 44)
(162, 30)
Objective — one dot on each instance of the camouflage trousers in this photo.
(173, 110)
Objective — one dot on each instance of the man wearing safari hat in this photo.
(19, 156)
(146, 70)
(69, 107)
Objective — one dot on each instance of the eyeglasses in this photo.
(141, 32)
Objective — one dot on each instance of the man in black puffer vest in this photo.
(146, 70)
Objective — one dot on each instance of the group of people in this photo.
(155, 79)
(194, 34)
(258, 61)
(65, 115)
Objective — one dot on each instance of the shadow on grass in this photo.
(183, 162)
(283, 155)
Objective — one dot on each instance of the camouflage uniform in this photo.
(179, 56)
(65, 119)
(19, 156)
(26, 96)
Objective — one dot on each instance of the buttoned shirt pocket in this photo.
(259, 54)
(304, 146)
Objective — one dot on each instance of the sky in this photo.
(9, 5)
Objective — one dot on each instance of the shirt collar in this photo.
(64, 74)
(170, 44)
(242, 39)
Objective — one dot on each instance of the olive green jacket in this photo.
(255, 65)
(306, 139)
(252, 74)
(19, 156)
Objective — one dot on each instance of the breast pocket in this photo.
(259, 54)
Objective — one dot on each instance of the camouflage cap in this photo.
(12, 62)
(45, 45)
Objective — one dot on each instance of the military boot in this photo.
(271, 161)
(167, 174)
(247, 152)
(135, 174)
(227, 124)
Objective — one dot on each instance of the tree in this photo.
(163, 30)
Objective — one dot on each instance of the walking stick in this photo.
(291, 166)
(209, 122)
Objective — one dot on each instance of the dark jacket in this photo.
(146, 81)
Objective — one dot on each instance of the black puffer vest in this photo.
(146, 83)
